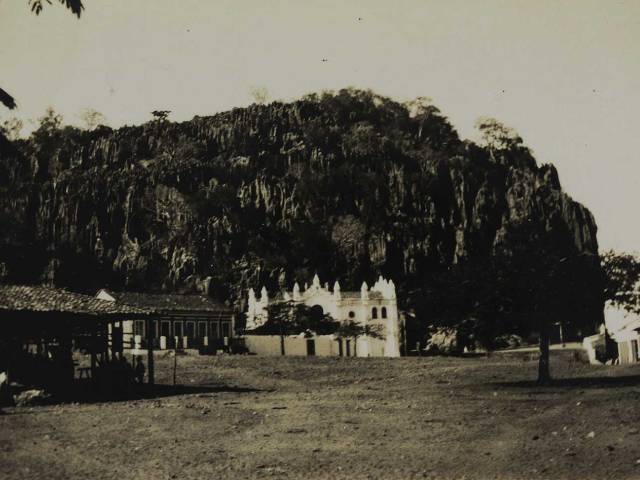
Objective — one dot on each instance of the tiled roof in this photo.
(169, 302)
(37, 298)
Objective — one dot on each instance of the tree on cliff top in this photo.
(92, 118)
(161, 115)
(11, 128)
(497, 136)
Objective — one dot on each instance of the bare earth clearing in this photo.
(253, 417)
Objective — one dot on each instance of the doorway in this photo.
(311, 347)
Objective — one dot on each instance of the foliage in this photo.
(92, 118)
(49, 123)
(621, 277)
(7, 100)
(74, 6)
(260, 95)
(352, 329)
(11, 128)
(349, 184)
(496, 136)
(161, 115)
(538, 283)
(293, 318)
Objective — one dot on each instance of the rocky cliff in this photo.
(347, 184)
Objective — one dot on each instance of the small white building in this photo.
(370, 306)
(623, 326)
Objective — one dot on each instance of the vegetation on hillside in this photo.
(347, 184)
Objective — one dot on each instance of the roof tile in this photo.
(39, 298)
(168, 302)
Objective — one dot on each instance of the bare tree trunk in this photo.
(544, 374)
(282, 341)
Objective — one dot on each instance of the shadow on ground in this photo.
(577, 382)
(86, 393)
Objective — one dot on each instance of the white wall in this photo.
(326, 346)
(616, 318)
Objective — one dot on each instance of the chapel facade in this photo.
(369, 306)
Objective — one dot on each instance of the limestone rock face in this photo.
(347, 185)
(443, 340)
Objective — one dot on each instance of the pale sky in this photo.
(564, 74)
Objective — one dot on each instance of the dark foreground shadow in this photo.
(469, 355)
(86, 393)
(578, 382)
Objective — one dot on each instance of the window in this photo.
(374, 313)
(202, 329)
(165, 329)
(191, 329)
(177, 329)
(226, 329)
(213, 329)
(352, 314)
(383, 312)
(634, 350)
(138, 327)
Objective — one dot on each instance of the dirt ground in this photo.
(256, 417)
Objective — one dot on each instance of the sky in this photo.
(564, 74)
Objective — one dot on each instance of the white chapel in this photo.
(374, 306)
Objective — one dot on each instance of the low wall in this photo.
(269, 345)
(263, 344)
(325, 346)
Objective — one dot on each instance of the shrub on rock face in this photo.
(507, 341)
(31, 397)
(443, 340)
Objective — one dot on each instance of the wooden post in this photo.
(65, 353)
(104, 355)
(175, 364)
(150, 337)
(94, 354)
